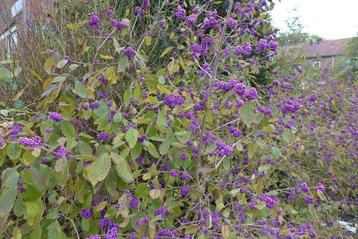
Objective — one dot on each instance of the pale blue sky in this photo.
(330, 19)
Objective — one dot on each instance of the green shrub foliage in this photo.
(168, 131)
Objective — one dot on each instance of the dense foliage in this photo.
(205, 139)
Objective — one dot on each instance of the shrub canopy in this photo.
(182, 129)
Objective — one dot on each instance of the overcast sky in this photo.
(329, 19)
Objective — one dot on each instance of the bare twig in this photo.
(100, 46)
(74, 226)
(211, 85)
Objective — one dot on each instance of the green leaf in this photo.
(19, 207)
(276, 153)
(68, 129)
(98, 170)
(117, 117)
(127, 97)
(102, 122)
(136, 151)
(32, 192)
(253, 148)
(7, 199)
(247, 114)
(161, 80)
(151, 149)
(36, 232)
(122, 168)
(71, 143)
(81, 190)
(122, 64)
(82, 91)
(287, 136)
(5, 74)
(142, 190)
(183, 136)
(34, 211)
(55, 231)
(132, 137)
(164, 147)
(84, 148)
(313, 213)
(111, 184)
(13, 151)
(162, 118)
(10, 177)
(61, 165)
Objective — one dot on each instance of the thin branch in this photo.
(100, 47)
(228, 123)
(211, 85)
(74, 226)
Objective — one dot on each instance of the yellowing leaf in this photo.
(166, 51)
(49, 63)
(100, 206)
(58, 79)
(173, 67)
(61, 63)
(154, 193)
(163, 89)
(75, 26)
(148, 40)
(106, 57)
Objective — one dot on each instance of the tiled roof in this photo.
(326, 48)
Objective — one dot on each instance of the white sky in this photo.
(329, 19)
